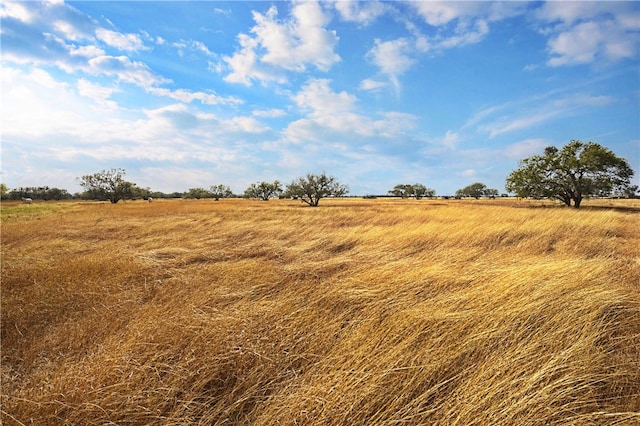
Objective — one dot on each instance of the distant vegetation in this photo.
(368, 312)
(36, 193)
(264, 190)
(477, 190)
(416, 190)
(570, 174)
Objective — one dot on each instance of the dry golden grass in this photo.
(381, 312)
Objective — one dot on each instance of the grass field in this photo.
(368, 312)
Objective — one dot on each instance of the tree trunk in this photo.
(576, 202)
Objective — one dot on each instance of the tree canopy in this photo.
(417, 190)
(220, 191)
(263, 190)
(107, 185)
(476, 190)
(571, 173)
(312, 188)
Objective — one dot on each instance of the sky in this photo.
(194, 94)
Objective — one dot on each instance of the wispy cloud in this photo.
(127, 42)
(186, 96)
(269, 113)
(533, 111)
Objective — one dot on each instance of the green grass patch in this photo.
(10, 211)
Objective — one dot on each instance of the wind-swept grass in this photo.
(356, 312)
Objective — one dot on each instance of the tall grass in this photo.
(356, 312)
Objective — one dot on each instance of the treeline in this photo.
(568, 174)
(261, 190)
(35, 193)
(46, 193)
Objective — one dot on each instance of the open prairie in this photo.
(370, 312)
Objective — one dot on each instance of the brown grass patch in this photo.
(356, 312)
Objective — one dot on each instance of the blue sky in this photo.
(194, 94)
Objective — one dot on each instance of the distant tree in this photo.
(4, 191)
(491, 193)
(420, 191)
(576, 171)
(198, 193)
(220, 191)
(312, 188)
(417, 190)
(137, 192)
(107, 185)
(57, 194)
(264, 190)
(402, 190)
(631, 191)
(476, 190)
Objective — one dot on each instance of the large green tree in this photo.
(312, 188)
(107, 185)
(575, 171)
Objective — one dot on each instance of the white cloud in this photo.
(588, 32)
(438, 13)
(576, 46)
(392, 57)
(441, 13)
(69, 31)
(333, 116)
(245, 124)
(361, 12)
(570, 12)
(187, 96)
(464, 36)
(269, 113)
(125, 70)
(15, 10)
(459, 24)
(369, 84)
(194, 45)
(318, 98)
(290, 45)
(326, 111)
(127, 42)
(86, 51)
(246, 66)
(99, 94)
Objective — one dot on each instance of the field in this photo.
(368, 312)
